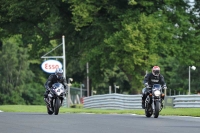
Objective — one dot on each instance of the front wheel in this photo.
(157, 109)
(56, 106)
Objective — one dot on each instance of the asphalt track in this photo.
(95, 123)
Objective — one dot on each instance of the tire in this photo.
(157, 109)
(49, 111)
(56, 106)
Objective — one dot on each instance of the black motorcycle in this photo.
(153, 102)
(55, 98)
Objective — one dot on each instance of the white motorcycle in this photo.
(55, 98)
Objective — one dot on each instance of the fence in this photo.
(186, 101)
(120, 101)
(76, 94)
(113, 101)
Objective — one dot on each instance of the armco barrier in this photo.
(120, 101)
(113, 101)
(186, 101)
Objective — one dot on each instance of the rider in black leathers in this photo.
(54, 78)
(150, 79)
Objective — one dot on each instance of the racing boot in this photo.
(45, 97)
(143, 104)
(161, 107)
(143, 101)
(162, 99)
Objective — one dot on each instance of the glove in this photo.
(146, 84)
(65, 93)
(164, 87)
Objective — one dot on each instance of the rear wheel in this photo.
(157, 109)
(56, 106)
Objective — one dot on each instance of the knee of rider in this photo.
(163, 96)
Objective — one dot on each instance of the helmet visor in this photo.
(59, 74)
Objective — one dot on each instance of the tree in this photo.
(15, 72)
(120, 39)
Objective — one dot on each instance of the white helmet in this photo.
(156, 70)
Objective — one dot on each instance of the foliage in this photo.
(14, 71)
(120, 40)
(33, 94)
(17, 86)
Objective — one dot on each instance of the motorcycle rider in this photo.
(150, 79)
(54, 78)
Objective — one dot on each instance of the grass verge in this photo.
(195, 112)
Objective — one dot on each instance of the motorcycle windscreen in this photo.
(157, 86)
(58, 88)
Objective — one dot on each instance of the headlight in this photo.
(157, 93)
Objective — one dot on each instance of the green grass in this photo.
(42, 109)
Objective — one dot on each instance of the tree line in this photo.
(120, 39)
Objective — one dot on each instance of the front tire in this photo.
(56, 106)
(157, 109)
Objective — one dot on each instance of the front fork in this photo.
(153, 104)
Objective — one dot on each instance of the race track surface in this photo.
(95, 123)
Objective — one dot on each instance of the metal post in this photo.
(64, 57)
(189, 82)
(193, 68)
(109, 89)
(116, 87)
(81, 91)
(64, 61)
(69, 96)
(87, 67)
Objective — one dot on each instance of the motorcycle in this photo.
(55, 98)
(153, 102)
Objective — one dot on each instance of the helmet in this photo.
(59, 73)
(156, 70)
